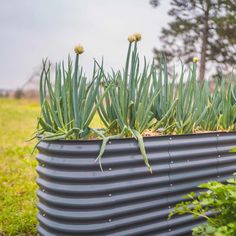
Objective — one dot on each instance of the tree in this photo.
(18, 94)
(204, 28)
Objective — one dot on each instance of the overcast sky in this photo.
(32, 30)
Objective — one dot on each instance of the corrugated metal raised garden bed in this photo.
(76, 198)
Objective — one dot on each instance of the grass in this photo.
(17, 167)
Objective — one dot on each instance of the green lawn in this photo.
(17, 167)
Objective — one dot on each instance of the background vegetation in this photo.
(201, 28)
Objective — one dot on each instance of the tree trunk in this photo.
(204, 46)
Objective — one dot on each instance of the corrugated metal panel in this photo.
(76, 198)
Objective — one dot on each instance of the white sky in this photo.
(32, 30)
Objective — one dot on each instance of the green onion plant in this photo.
(141, 97)
(67, 106)
(127, 110)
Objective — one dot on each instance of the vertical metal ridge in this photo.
(76, 198)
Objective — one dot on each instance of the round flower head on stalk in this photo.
(131, 38)
(79, 49)
(137, 36)
(195, 59)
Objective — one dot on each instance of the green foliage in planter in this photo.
(126, 111)
(184, 106)
(68, 106)
(217, 205)
(131, 101)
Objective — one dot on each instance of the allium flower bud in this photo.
(137, 36)
(131, 38)
(195, 60)
(79, 49)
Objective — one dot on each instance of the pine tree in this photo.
(204, 28)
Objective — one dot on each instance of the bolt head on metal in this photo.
(110, 194)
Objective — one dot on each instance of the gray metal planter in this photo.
(76, 198)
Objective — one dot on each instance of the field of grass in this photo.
(17, 167)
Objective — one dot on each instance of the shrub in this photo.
(217, 205)
(18, 94)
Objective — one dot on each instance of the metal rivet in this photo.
(218, 135)
(169, 207)
(218, 176)
(109, 220)
(169, 230)
(109, 142)
(170, 138)
(171, 184)
(171, 162)
(110, 195)
(218, 155)
(110, 169)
